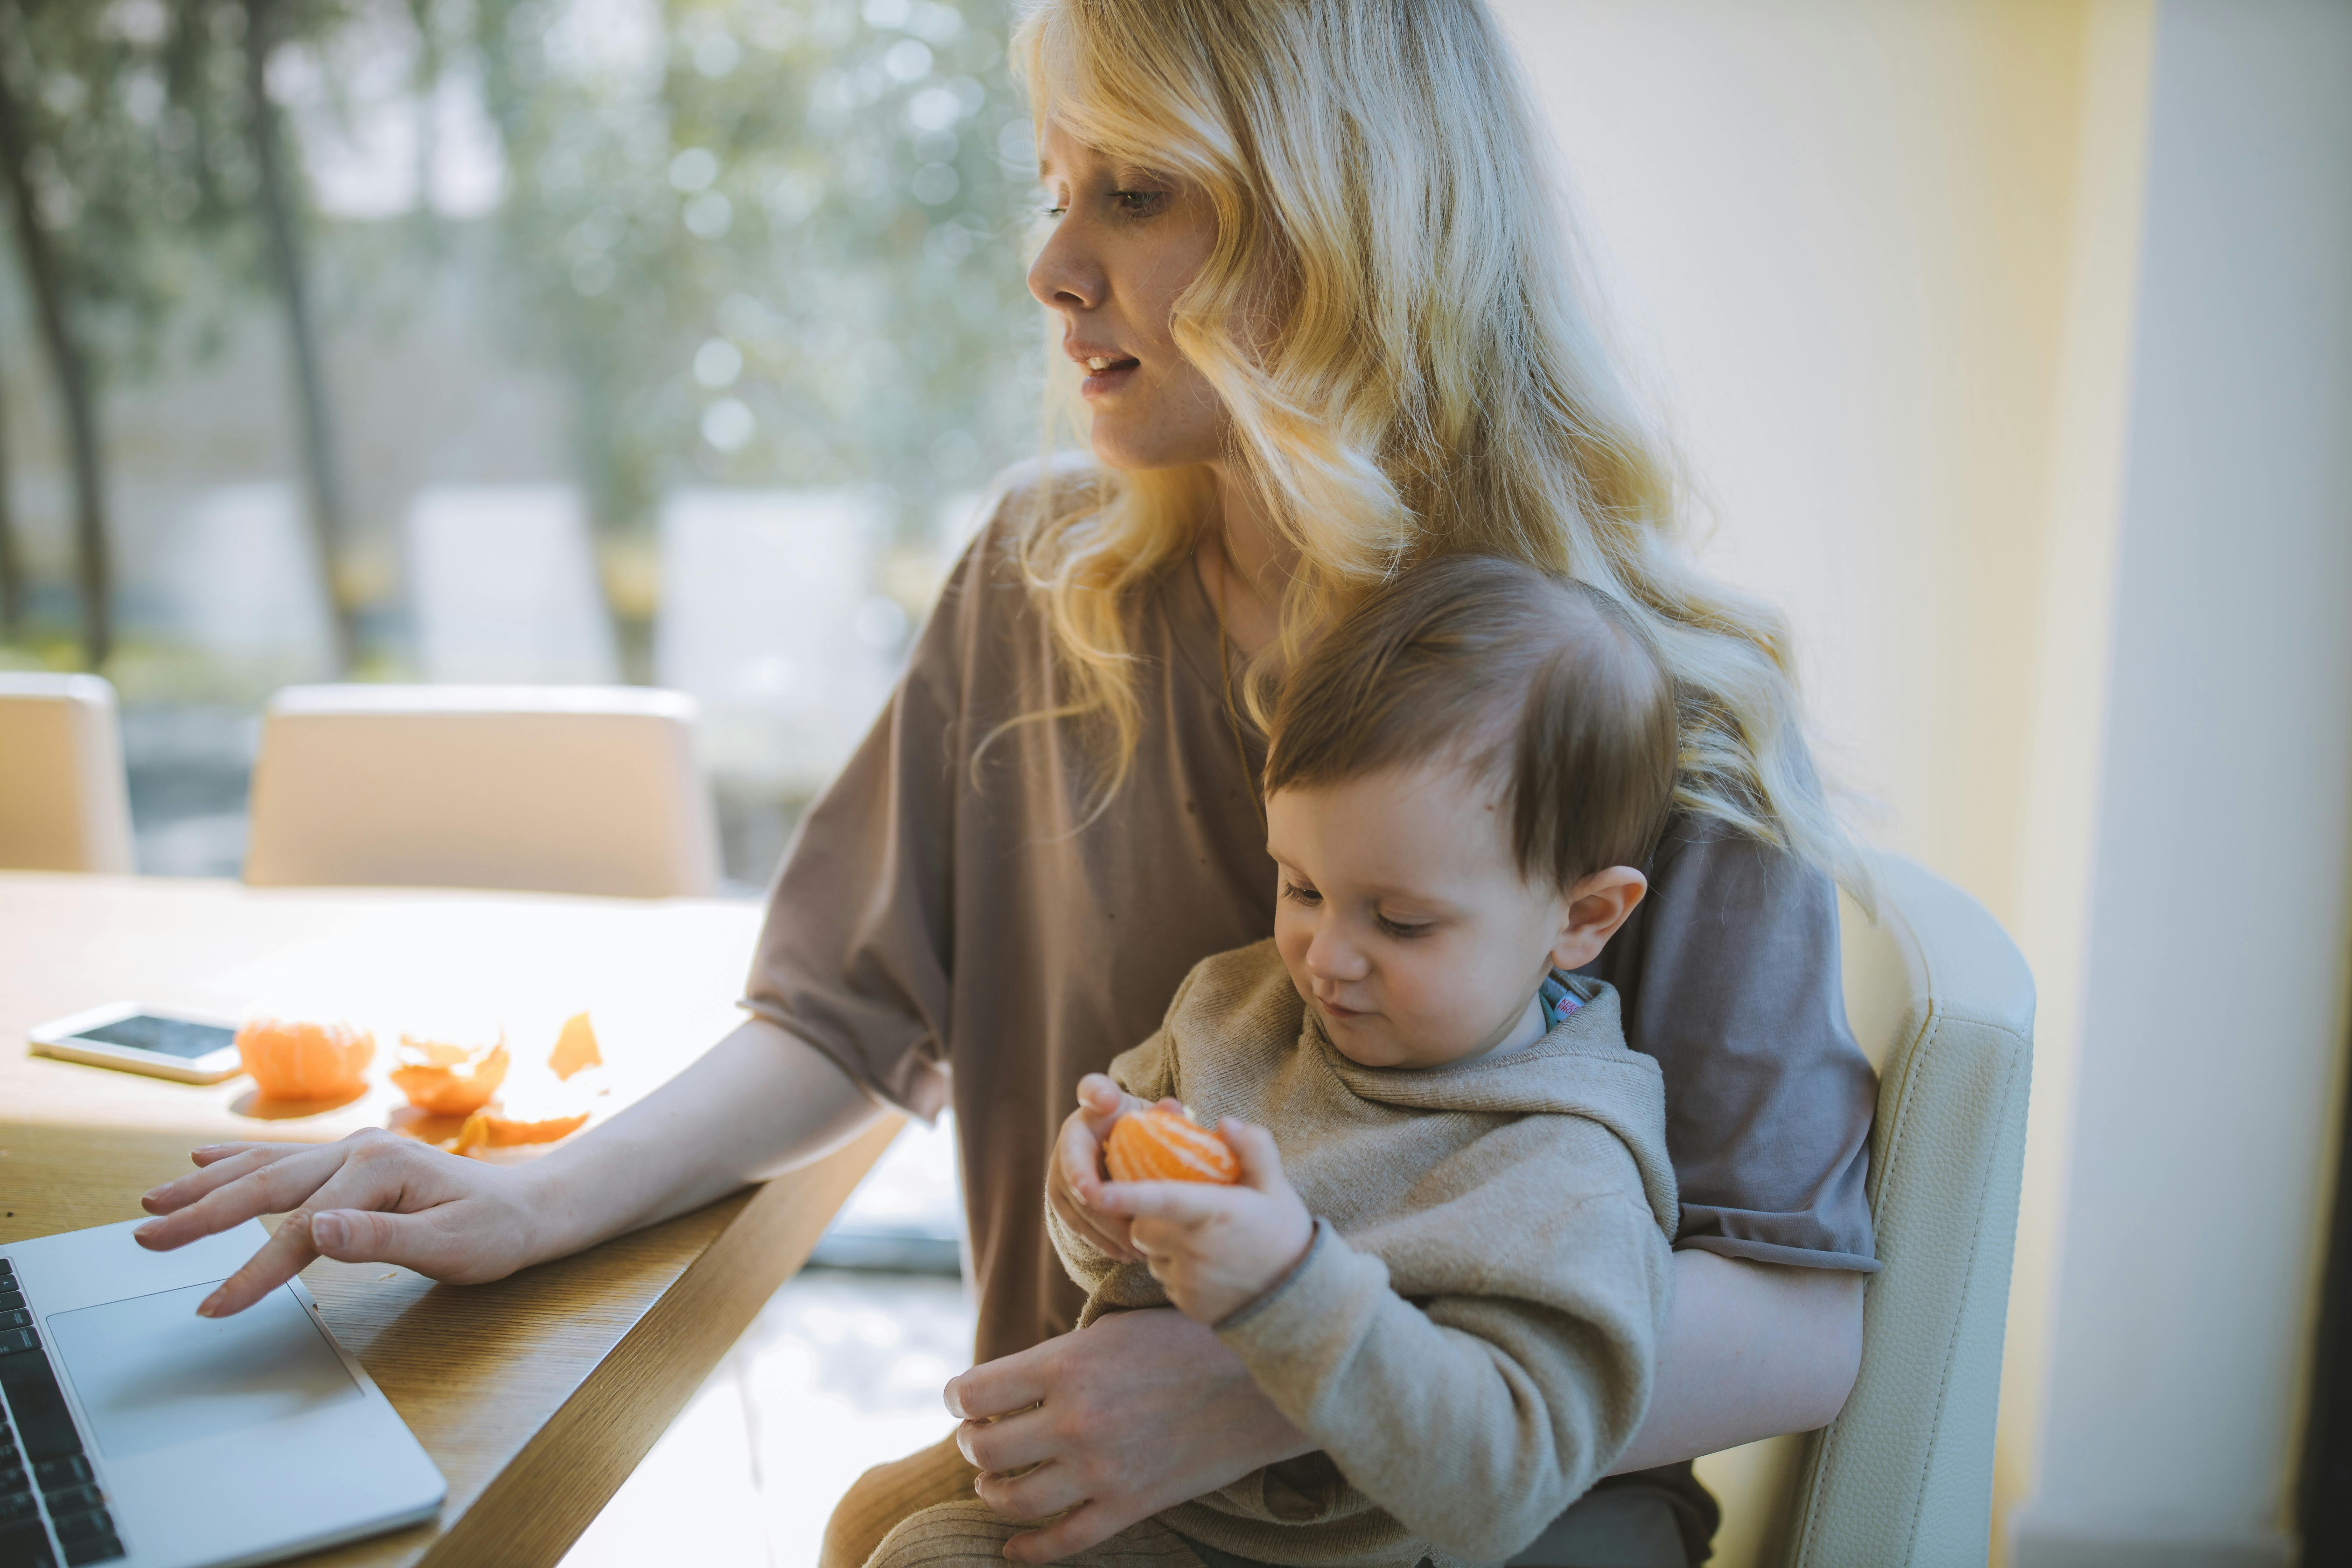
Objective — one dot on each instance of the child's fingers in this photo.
(1178, 1203)
(1253, 1146)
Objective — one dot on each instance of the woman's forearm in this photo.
(1750, 1350)
(759, 1103)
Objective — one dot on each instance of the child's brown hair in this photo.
(1540, 681)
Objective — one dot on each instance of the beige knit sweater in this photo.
(1470, 1338)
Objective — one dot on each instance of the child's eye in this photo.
(1406, 930)
(1298, 893)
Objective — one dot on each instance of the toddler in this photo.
(1452, 1274)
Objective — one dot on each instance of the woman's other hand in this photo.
(1215, 1249)
(1134, 1413)
(372, 1197)
(1073, 1176)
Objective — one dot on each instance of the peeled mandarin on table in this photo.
(1161, 1145)
(447, 1078)
(292, 1058)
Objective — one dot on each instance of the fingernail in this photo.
(209, 1307)
(147, 1231)
(327, 1229)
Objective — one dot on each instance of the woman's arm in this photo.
(1146, 1409)
(757, 1104)
(1750, 1350)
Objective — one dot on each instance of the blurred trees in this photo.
(767, 242)
(141, 156)
(775, 243)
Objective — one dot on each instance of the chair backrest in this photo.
(1942, 1002)
(566, 789)
(64, 803)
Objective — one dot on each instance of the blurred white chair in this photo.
(503, 581)
(1943, 1005)
(64, 802)
(565, 789)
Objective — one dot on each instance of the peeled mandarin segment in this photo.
(434, 1082)
(1157, 1145)
(292, 1060)
(575, 1048)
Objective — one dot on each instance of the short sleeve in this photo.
(855, 952)
(1730, 978)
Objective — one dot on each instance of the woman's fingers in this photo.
(998, 1387)
(1048, 1489)
(216, 1167)
(282, 1257)
(1010, 1443)
(274, 1186)
(212, 1152)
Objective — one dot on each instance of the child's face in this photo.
(1403, 919)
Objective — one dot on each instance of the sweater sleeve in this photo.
(1477, 1415)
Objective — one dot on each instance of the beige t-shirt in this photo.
(941, 906)
(1470, 1340)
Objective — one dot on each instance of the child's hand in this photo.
(1214, 1249)
(1073, 1176)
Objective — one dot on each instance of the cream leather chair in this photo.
(567, 789)
(64, 803)
(1943, 1004)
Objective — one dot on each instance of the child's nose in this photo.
(1332, 957)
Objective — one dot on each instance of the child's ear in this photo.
(1597, 905)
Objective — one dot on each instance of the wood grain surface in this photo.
(536, 1395)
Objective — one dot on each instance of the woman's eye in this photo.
(1134, 204)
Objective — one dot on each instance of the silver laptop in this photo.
(140, 1434)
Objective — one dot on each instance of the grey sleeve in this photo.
(1730, 978)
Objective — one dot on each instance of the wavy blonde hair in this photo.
(1426, 383)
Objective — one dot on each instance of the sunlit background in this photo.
(586, 341)
(677, 341)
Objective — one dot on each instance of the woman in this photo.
(1303, 255)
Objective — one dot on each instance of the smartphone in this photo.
(155, 1040)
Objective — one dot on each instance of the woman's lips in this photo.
(1110, 378)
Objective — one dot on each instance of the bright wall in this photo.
(2006, 341)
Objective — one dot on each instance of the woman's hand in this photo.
(372, 1197)
(1132, 1415)
(1073, 1176)
(1217, 1248)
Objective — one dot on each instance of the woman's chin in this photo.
(1132, 447)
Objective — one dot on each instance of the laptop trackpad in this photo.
(152, 1374)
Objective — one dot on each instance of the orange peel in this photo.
(492, 1128)
(446, 1079)
(294, 1059)
(1156, 1144)
(575, 1048)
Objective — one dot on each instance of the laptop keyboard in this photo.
(50, 1506)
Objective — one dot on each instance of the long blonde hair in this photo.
(1428, 385)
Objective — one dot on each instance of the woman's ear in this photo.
(1597, 905)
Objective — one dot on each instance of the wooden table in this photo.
(538, 1395)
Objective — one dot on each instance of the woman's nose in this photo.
(1065, 277)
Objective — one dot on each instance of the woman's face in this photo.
(1125, 242)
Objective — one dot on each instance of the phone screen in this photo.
(165, 1036)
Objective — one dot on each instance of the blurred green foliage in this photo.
(781, 246)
